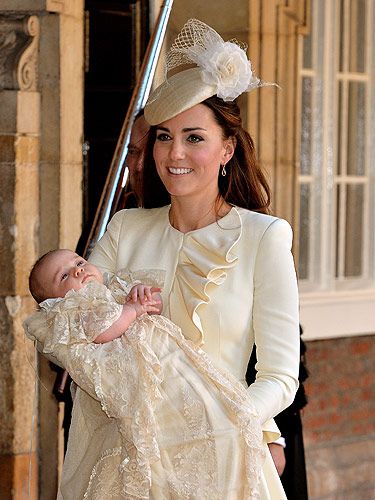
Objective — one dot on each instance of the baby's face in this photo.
(64, 270)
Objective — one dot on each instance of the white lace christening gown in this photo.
(186, 429)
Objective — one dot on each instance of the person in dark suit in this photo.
(131, 196)
(288, 454)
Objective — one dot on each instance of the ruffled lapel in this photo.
(206, 257)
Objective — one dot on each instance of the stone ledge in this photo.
(14, 476)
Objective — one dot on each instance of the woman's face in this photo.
(188, 152)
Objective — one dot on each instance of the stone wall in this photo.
(19, 209)
(41, 102)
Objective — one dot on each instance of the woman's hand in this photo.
(278, 456)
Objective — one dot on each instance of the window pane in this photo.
(354, 230)
(337, 226)
(342, 36)
(307, 50)
(306, 126)
(340, 139)
(304, 232)
(352, 35)
(356, 129)
(357, 39)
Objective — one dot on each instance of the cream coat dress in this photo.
(228, 285)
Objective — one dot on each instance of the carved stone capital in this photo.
(19, 40)
(55, 6)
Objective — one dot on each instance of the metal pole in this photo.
(137, 102)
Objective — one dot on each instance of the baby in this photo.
(59, 271)
(178, 417)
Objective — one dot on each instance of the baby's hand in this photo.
(150, 307)
(142, 293)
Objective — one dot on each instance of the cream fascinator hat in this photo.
(221, 68)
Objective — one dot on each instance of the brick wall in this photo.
(339, 420)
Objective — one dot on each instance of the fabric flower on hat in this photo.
(207, 66)
(226, 65)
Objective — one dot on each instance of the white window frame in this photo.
(333, 307)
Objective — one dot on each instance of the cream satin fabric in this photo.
(227, 285)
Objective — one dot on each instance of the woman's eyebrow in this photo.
(191, 129)
(187, 129)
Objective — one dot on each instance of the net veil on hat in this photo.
(220, 68)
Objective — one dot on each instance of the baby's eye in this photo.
(81, 263)
(195, 138)
(162, 137)
(64, 276)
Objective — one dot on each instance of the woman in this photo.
(229, 275)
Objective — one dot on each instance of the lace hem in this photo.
(182, 454)
(237, 400)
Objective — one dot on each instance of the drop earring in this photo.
(223, 171)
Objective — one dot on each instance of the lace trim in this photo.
(127, 376)
(103, 474)
(124, 280)
(128, 379)
(237, 400)
(78, 317)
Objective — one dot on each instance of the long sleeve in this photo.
(275, 322)
(104, 254)
(76, 357)
(79, 317)
(75, 320)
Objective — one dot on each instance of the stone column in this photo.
(61, 82)
(19, 219)
(274, 29)
(41, 128)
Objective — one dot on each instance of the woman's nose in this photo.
(176, 151)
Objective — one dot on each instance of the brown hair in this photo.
(245, 184)
(35, 287)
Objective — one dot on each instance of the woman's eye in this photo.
(195, 138)
(162, 137)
